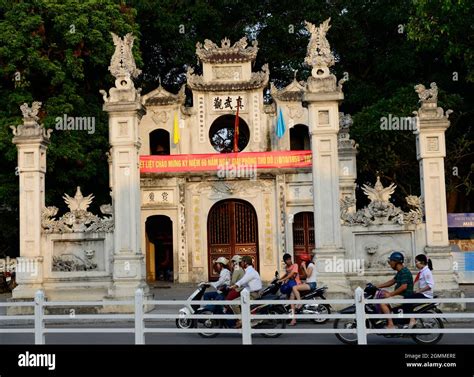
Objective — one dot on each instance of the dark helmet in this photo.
(370, 290)
(396, 256)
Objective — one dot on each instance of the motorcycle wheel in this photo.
(429, 323)
(273, 324)
(321, 309)
(342, 323)
(12, 285)
(185, 323)
(207, 324)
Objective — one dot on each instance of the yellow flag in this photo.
(176, 129)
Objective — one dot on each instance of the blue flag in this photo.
(280, 129)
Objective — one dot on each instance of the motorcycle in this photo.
(210, 323)
(313, 307)
(183, 322)
(370, 292)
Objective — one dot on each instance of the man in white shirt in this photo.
(250, 282)
(220, 265)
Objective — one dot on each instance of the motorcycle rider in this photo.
(291, 277)
(310, 283)
(237, 272)
(403, 281)
(425, 282)
(220, 265)
(251, 282)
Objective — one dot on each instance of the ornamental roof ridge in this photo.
(257, 80)
(292, 92)
(209, 52)
(160, 96)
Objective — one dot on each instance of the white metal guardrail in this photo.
(139, 317)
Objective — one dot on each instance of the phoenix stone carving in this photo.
(123, 62)
(79, 202)
(319, 51)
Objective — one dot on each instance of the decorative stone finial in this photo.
(30, 114)
(427, 95)
(30, 127)
(122, 63)
(123, 68)
(429, 103)
(319, 55)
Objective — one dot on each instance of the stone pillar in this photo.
(431, 151)
(323, 98)
(32, 141)
(347, 149)
(125, 111)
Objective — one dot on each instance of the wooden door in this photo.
(232, 229)
(303, 235)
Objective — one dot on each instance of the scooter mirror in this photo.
(277, 275)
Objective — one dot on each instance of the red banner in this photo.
(215, 161)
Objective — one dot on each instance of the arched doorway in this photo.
(303, 235)
(159, 142)
(159, 248)
(232, 229)
(299, 138)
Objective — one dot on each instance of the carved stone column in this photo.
(323, 97)
(282, 217)
(125, 111)
(32, 141)
(431, 151)
(347, 149)
(183, 274)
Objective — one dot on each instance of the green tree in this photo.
(57, 53)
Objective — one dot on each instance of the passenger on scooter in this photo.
(426, 284)
(251, 282)
(308, 285)
(220, 265)
(291, 277)
(237, 271)
(403, 281)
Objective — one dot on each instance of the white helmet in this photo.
(236, 259)
(222, 260)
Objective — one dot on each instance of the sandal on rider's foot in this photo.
(238, 325)
(409, 326)
(292, 323)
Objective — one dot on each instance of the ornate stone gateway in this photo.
(185, 179)
(232, 229)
